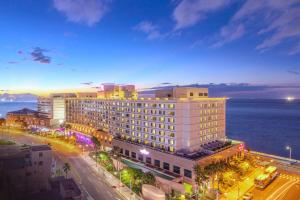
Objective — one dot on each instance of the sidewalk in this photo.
(111, 180)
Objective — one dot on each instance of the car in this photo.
(248, 196)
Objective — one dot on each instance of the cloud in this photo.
(281, 20)
(20, 52)
(240, 90)
(88, 12)
(189, 12)
(87, 83)
(12, 62)
(229, 34)
(149, 29)
(38, 55)
(166, 83)
(294, 72)
(295, 50)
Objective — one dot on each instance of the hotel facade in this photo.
(173, 131)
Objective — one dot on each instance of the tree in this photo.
(96, 143)
(148, 178)
(201, 176)
(66, 168)
(68, 126)
(58, 172)
(117, 155)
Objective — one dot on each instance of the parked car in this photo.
(248, 196)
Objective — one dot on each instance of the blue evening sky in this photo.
(58, 44)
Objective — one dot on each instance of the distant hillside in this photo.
(239, 90)
(17, 97)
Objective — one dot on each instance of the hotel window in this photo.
(191, 94)
(171, 148)
(148, 160)
(171, 120)
(141, 158)
(157, 163)
(166, 166)
(133, 155)
(171, 106)
(188, 173)
(126, 153)
(176, 169)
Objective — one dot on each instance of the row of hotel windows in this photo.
(121, 112)
(208, 137)
(123, 117)
(154, 138)
(157, 129)
(200, 94)
(110, 104)
(157, 163)
(133, 125)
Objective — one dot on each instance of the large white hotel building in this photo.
(172, 131)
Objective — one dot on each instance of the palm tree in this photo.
(66, 168)
(201, 176)
(96, 142)
(58, 172)
(117, 155)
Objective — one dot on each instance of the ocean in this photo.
(265, 125)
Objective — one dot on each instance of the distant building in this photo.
(25, 118)
(45, 107)
(182, 92)
(113, 91)
(86, 94)
(24, 170)
(53, 107)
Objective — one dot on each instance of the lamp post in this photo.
(238, 187)
(290, 149)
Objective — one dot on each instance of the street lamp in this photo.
(290, 149)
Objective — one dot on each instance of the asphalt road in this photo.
(283, 187)
(92, 186)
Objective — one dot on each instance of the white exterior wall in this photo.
(195, 121)
(59, 110)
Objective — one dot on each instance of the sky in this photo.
(78, 44)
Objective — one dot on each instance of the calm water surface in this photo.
(265, 125)
(12, 106)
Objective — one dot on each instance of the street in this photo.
(91, 184)
(285, 187)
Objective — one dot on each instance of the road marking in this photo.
(274, 195)
(285, 190)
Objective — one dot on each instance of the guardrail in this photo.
(278, 158)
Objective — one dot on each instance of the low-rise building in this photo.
(24, 169)
(26, 118)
